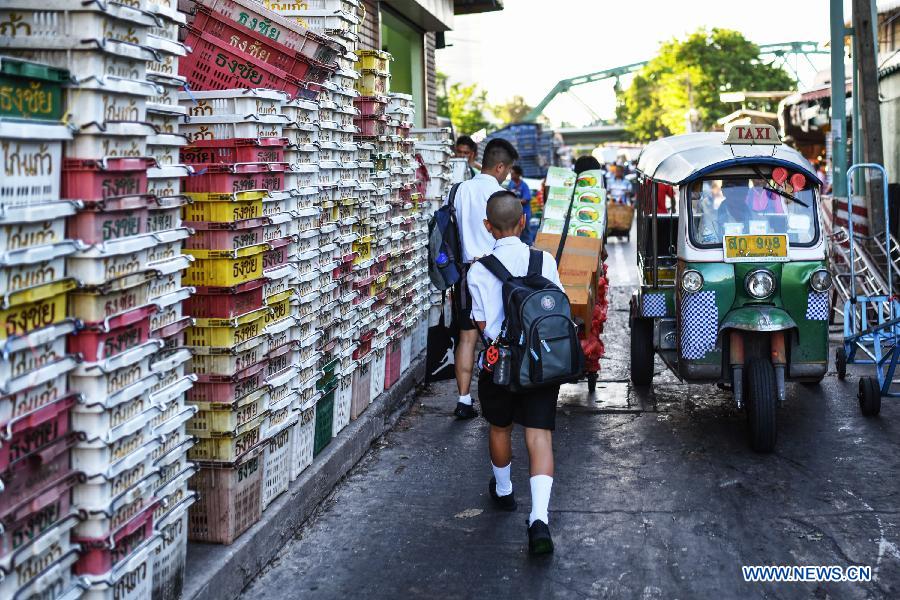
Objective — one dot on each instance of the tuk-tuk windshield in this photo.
(744, 206)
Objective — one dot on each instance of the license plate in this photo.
(756, 248)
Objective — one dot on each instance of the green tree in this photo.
(687, 77)
(513, 110)
(465, 105)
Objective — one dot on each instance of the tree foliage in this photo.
(685, 79)
(513, 110)
(465, 105)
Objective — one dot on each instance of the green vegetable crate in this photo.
(31, 90)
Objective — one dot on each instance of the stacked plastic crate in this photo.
(36, 512)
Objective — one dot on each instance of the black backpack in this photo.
(444, 247)
(538, 329)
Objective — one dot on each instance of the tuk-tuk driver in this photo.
(718, 210)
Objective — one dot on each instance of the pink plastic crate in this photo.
(392, 364)
(46, 510)
(104, 178)
(236, 178)
(237, 150)
(371, 106)
(113, 218)
(36, 432)
(230, 236)
(216, 65)
(98, 341)
(371, 126)
(25, 479)
(278, 255)
(219, 388)
(224, 303)
(100, 555)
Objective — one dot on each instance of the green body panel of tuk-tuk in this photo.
(784, 311)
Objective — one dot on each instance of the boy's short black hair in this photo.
(504, 210)
(465, 140)
(498, 151)
(586, 163)
(517, 170)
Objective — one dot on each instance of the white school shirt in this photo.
(487, 291)
(471, 211)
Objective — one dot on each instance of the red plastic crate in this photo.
(237, 150)
(371, 106)
(221, 388)
(226, 236)
(98, 179)
(113, 218)
(225, 303)
(48, 508)
(25, 478)
(236, 178)
(98, 341)
(36, 432)
(100, 555)
(371, 126)
(216, 65)
(392, 364)
(364, 347)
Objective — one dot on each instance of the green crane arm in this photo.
(565, 85)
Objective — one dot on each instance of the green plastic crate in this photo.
(31, 90)
(324, 422)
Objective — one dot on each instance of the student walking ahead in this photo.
(470, 202)
(534, 409)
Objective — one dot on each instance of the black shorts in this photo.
(500, 407)
(462, 302)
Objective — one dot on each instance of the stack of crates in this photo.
(121, 165)
(36, 511)
(245, 338)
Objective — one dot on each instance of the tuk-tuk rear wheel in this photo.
(642, 351)
(869, 396)
(840, 363)
(761, 404)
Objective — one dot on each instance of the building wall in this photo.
(889, 88)
(370, 28)
(430, 81)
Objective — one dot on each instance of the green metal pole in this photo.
(838, 102)
(856, 140)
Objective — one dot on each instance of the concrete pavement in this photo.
(656, 496)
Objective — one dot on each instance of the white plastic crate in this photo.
(23, 568)
(131, 579)
(109, 99)
(33, 161)
(114, 140)
(55, 581)
(304, 438)
(277, 459)
(170, 554)
(54, 27)
(376, 380)
(221, 127)
(277, 202)
(167, 182)
(233, 102)
(302, 134)
(301, 111)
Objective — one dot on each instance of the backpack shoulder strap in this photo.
(452, 195)
(493, 264)
(535, 261)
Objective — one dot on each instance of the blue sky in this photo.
(530, 45)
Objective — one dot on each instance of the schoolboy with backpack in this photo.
(531, 347)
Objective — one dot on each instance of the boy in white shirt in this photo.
(534, 410)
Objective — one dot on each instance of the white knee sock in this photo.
(540, 498)
(467, 399)
(504, 483)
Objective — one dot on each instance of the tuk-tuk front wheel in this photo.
(761, 402)
(869, 396)
(642, 351)
(840, 363)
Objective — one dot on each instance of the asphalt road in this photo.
(656, 496)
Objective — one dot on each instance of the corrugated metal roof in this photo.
(680, 158)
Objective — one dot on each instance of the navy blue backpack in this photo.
(444, 246)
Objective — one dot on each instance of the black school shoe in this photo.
(507, 503)
(539, 540)
(465, 411)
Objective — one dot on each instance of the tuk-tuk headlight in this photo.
(691, 281)
(760, 284)
(820, 281)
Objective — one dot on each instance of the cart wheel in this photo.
(869, 396)
(642, 351)
(761, 403)
(592, 382)
(840, 363)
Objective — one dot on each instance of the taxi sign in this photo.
(755, 248)
(752, 135)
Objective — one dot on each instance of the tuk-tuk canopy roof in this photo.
(682, 158)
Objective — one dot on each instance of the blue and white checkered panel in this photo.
(699, 324)
(818, 306)
(653, 305)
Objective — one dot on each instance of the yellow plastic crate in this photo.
(33, 308)
(225, 268)
(373, 83)
(225, 333)
(279, 306)
(363, 250)
(375, 60)
(226, 446)
(219, 418)
(224, 208)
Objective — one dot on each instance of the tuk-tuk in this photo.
(733, 284)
